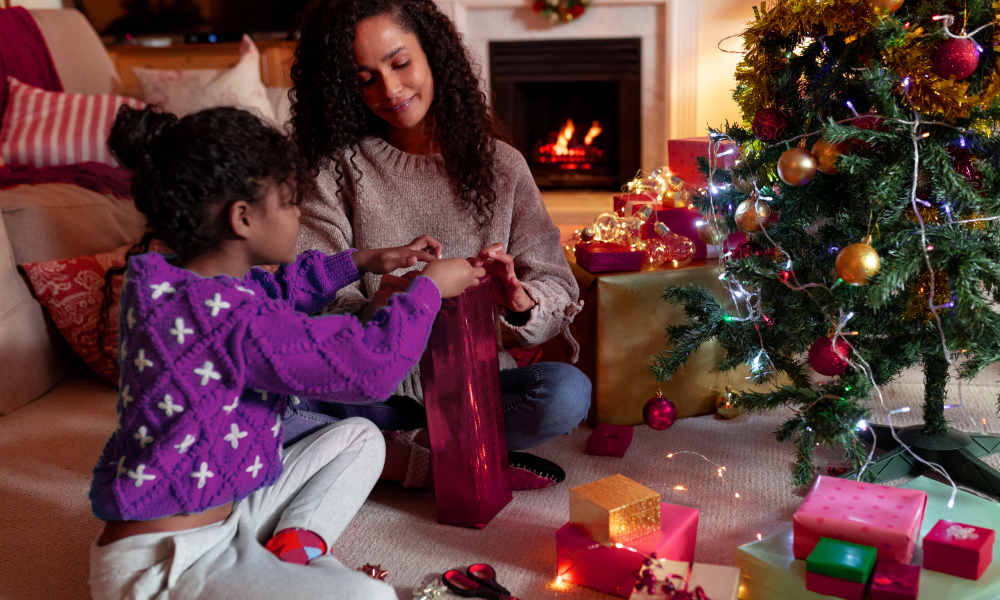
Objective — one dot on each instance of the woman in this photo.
(389, 112)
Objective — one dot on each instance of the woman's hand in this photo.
(507, 288)
(386, 260)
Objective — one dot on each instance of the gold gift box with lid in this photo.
(614, 510)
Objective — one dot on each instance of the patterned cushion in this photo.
(45, 129)
(72, 291)
(183, 92)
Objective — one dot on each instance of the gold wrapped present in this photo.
(614, 510)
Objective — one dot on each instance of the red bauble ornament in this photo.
(659, 412)
(746, 249)
(576, 11)
(824, 360)
(770, 125)
(958, 57)
(538, 6)
(867, 122)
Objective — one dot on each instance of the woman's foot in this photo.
(530, 472)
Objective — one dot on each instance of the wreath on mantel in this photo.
(561, 10)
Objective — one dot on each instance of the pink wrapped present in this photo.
(831, 586)
(609, 440)
(583, 561)
(883, 517)
(460, 374)
(893, 581)
(684, 221)
(601, 257)
(959, 549)
(682, 155)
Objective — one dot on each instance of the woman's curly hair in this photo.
(187, 172)
(329, 116)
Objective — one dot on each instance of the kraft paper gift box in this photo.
(460, 375)
(682, 155)
(614, 510)
(769, 570)
(959, 549)
(887, 518)
(839, 569)
(601, 257)
(609, 440)
(582, 561)
(893, 581)
(716, 581)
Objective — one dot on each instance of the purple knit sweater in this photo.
(208, 366)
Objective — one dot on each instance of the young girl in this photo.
(198, 498)
(389, 110)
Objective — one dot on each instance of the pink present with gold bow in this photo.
(601, 257)
(883, 517)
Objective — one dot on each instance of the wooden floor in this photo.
(572, 210)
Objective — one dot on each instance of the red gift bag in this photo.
(460, 375)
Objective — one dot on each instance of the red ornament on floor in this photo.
(958, 57)
(770, 125)
(825, 361)
(659, 412)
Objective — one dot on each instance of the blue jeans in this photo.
(540, 401)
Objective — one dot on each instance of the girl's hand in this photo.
(386, 260)
(507, 288)
(453, 276)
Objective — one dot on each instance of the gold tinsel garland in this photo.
(920, 293)
(931, 94)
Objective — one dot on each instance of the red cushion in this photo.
(71, 290)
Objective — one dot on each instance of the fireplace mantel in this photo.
(669, 111)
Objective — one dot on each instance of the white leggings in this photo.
(327, 477)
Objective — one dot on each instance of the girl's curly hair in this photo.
(329, 116)
(187, 172)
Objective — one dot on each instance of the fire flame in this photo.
(562, 144)
(595, 130)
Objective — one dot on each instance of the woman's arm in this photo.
(539, 264)
(336, 358)
(325, 225)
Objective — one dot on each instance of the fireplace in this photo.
(572, 108)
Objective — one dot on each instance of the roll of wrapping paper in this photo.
(460, 374)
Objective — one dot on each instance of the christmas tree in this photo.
(867, 183)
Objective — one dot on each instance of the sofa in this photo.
(55, 414)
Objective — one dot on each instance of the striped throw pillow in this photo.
(46, 129)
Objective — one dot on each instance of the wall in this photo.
(33, 4)
(719, 18)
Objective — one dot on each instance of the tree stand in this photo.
(954, 450)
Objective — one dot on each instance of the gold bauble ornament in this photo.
(797, 166)
(726, 406)
(827, 154)
(858, 262)
(713, 230)
(753, 215)
(882, 8)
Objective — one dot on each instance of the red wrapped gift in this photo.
(583, 561)
(684, 221)
(682, 155)
(831, 586)
(894, 581)
(600, 257)
(460, 375)
(886, 518)
(958, 549)
(609, 440)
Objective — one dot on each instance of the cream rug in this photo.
(398, 529)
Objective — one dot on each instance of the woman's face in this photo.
(396, 81)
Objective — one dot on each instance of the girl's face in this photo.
(396, 80)
(277, 227)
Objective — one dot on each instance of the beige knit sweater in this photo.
(398, 197)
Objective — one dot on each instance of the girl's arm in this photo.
(335, 358)
(309, 284)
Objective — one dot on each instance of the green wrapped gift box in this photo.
(769, 570)
(842, 560)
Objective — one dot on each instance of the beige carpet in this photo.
(398, 528)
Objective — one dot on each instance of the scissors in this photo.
(478, 581)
